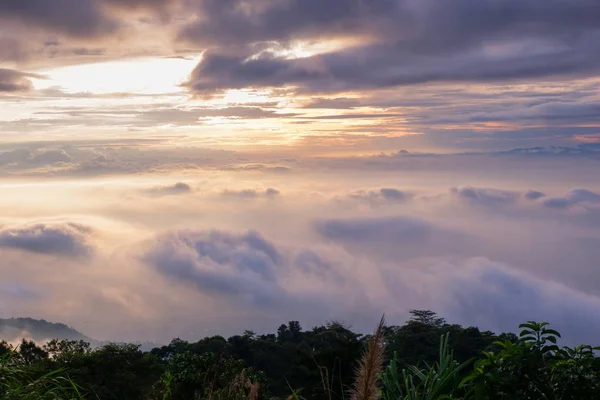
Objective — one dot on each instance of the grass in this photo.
(18, 384)
(366, 385)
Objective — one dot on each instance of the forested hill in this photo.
(38, 330)
(426, 358)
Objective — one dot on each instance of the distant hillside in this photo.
(40, 331)
(14, 329)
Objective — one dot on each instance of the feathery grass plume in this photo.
(253, 389)
(366, 384)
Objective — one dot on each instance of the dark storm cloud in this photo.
(15, 81)
(428, 26)
(237, 22)
(410, 42)
(80, 18)
(68, 239)
(384, 66)
(156, 4)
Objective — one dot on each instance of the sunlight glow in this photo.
(301, 49)
(142, 76)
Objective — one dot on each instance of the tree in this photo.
(29, 352)
(116, 372)
(5, 349)
(63, 351)
(426, 317)
(208, 376)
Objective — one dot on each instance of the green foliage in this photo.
(17, 383)
(534, 367)
(191, 376)
(417, 341)
(437, 381)
(427, 358)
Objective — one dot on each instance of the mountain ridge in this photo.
(38, 330)
(13, 330)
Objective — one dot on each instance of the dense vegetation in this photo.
(426, 358)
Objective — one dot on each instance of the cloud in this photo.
(24, 157)
(574, 197)
(67, 239)
(254, 273)
(430, 26)
(227, 23)
(264, 280)
(50, 157)
(393, 237)
(18, 292)
(251, 193)
(383, 196)
(534, 195)
(385, 67)
(79, 18)
(175, 189)
(393, 43)
(400, 229)
(103, 157)
(499, 297)
(14, 156)
(15, 81)
(221, 263)
(581, 150)
(483, 196)
(314, 259)
(155, 4)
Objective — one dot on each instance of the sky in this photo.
(184, 168)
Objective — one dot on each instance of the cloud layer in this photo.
(194, 167)
(15, 81)
(59, 239)
(403, 42)
(363, 244)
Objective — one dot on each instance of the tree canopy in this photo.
(321, 363)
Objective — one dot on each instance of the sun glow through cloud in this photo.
(139, 76)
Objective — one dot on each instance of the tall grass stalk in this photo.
(366, 385)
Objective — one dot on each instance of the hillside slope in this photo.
(14, 329)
